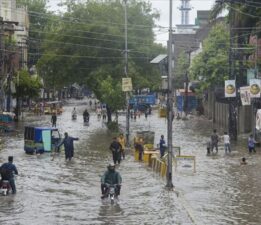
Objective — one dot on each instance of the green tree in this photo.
(26, 86)
(182, 68)
(87, 47)
(244, 21)
(210, 66)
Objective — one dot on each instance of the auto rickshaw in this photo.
(41, 139)
(53, 107)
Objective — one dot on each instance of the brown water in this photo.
(58, 192)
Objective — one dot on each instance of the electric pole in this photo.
(232, 118)
(170, 103)
(126, 75)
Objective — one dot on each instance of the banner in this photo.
(258, 119)
(245, 95)
(126, 84)
(230, 88)
(255, 85)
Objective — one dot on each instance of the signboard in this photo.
(258, 119)
(255, 85)
(126, 84)
(230, 88)
(143, 99)
(245, 95)
(251, 74)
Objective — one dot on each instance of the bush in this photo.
(113, 126)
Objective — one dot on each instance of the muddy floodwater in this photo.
(51, 192)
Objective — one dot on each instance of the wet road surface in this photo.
(57, 192)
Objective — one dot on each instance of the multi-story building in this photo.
(14, 30)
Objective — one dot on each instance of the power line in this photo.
(88, 46)
(82, 22)
(241, 12)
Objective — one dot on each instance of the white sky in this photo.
(163, 7)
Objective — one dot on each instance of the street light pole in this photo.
(126, 75)
(170, 102)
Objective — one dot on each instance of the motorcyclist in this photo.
(110, 177)
(7, 171)
(86, 115)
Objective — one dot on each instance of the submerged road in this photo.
(57, 192)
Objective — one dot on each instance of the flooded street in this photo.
(57, 192)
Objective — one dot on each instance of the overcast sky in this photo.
(163, 7)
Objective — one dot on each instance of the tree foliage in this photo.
(210, 66)
(26, 85)
(87, 46)
(182, 68)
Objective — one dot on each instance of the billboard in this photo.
(230, 88)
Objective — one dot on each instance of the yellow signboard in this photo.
(126, 84)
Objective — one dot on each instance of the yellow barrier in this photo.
(151, 159)
(162, 112)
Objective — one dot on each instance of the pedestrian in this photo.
(122, 142)
(146, 114)
(139, 147)
(208, 147)
(162, 146)
(54, 119)
(68, 146)
(115, 148)
(131, 113)
(7, 171)
(41, 108)
(251, 144)
(104, 113)
(243, 161)
(227, 142)
(214, 141)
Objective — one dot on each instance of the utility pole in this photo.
(186, 85)
(2, 62)
(126, 75)
(170, 103)
(254, 108)
(232, 118)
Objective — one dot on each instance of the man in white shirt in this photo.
(227, 142)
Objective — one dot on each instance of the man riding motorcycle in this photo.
(110, 177)
(86, 116)
(7, 171)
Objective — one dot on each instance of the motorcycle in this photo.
(74, 116)
(86, 120)
(5, 187)
(111, 192)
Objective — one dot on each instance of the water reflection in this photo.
(58, 192)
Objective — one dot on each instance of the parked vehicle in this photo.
(41, 139)
(6, 121)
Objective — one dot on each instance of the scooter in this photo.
(5, 187)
